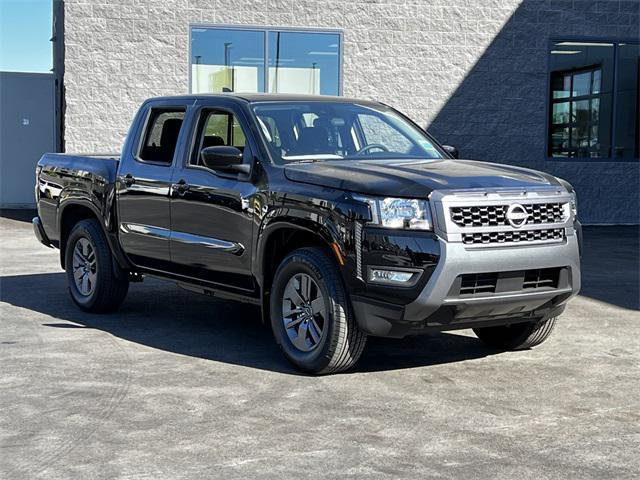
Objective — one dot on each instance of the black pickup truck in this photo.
(340, 218)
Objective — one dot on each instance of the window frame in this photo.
(265, 30)
(144, 131)
(549, 101)
(201, 115)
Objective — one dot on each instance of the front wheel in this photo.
(518, 336)
(95, 282)
(311, 317)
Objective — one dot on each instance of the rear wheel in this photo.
(96, 283)
(517, 336)
(311, 317)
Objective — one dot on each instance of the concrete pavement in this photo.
(178, 385)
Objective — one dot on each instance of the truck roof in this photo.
(265, 97)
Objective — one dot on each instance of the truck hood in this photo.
(414, 178)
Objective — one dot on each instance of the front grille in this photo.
(474, 283)
(520, 236)
(543, 277)
(470, 284)
(496, 215)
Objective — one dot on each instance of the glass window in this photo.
(339, 131)
(233, 60)
(227, 60)
(304, 62)
(627, 120)
(161, 137)
(376, 131)
(594, 100)
(219, 129)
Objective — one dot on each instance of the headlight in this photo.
(406, 213)
(574, 204)
(572, 192)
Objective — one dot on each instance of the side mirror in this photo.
(453, 151)
(223, 159)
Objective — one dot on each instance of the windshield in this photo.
(312, 131)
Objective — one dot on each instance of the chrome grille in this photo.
(519, 236)
(496, 215)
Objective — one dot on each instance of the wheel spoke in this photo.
(84, 245)
(314, 332)
(317, 306)
(293, 323)
(288, 311)
(78, 273)
(300, 340)
(77, 256)
(291, 293)
(92, 278)
(305, 287)
(85, 285)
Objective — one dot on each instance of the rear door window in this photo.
(161, 136)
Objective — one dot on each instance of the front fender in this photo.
(323, 226)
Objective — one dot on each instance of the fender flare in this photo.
(112, 238)
(285, 218)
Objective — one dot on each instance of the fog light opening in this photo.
(378, 275)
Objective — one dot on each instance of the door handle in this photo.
(128, 180)
(181, 187)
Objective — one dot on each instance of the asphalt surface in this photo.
(178, 385)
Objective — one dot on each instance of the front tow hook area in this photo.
(39, 232)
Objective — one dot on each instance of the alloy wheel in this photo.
(85, 267)
(304, 312)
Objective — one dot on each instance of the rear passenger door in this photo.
(211, 212)
(144, 182)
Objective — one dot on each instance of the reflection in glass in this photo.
(304, 62)
(227, 60)
(627, 112)
(582, 77)
(561, 112)
(233, 60)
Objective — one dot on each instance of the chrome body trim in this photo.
(148, 230)
(208, 242)
(441, 202)
(187, 238)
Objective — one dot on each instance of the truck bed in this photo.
(63, 176)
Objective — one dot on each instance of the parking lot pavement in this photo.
(178, 385)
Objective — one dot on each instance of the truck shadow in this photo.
(159, 315)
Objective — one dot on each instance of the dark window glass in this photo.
(161, 137)
(325, 131)
(219, 129)
(627, 123)
(304, 62)
(233, 60)
(594, 100)
(581, 86)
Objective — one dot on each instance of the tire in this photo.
(518, 336)
(106, 284)
(331, 341)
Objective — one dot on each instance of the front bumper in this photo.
(440, 306)
(39, 232)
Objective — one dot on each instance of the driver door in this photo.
(211, 219)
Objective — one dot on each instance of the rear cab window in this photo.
(161, 135)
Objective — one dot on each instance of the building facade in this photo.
(546, 84)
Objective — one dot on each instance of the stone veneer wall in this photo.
(474, 71)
